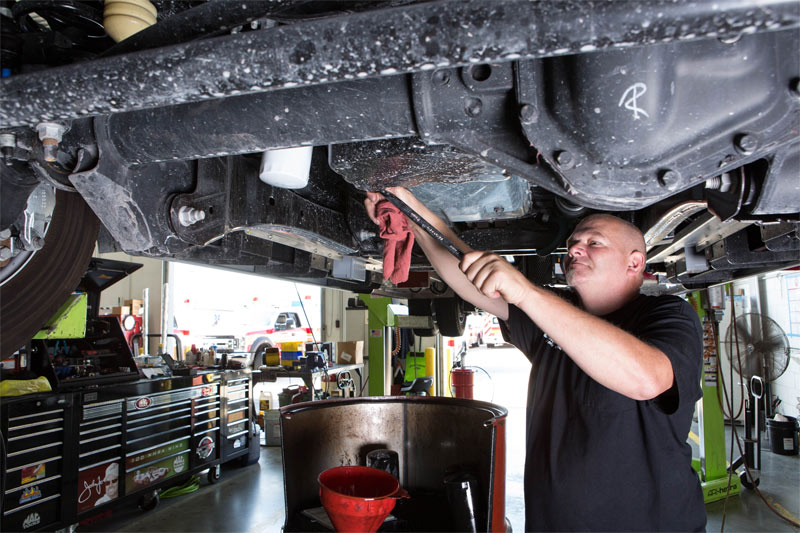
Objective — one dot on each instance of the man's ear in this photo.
(636, 262)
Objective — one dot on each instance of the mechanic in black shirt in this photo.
(614, 379)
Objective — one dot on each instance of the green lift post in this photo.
(383, 315)
(711, 466)
(378, 311)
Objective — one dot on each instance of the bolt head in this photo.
(528, 114)
(50, 130)
(669, 179)
(189, 215)
(473, 107)
(565, 159)
(8, 140)
(442, 77)
(746, 143)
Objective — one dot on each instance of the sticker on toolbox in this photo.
(154, 473)
(31, 520)
(205, 447)
(32, 473)
(154, 400)
(233, 417)
(154, 453)
(98, 485)
(30, 494)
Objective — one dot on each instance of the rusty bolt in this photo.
(8, 141)
(50, 133)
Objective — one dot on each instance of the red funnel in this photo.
(357, 498)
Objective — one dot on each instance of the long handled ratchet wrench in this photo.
(424, 224)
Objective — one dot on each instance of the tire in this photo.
(34, 294)
(422, 308)
(214, 473)
(258, 354)
(450, 316)
(745, 481)
(149, 502)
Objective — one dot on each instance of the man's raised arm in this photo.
(445, 264)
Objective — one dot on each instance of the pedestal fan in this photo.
(759, 351)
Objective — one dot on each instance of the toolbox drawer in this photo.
(33, 516)
(206, 410)
(102, 410)
(32, 431)
(31, 493)
(100, 433)
(235, 444)
(205, 425)
(40, 406)
(237, 414)
(106, 453)
(100, 441)
(236, 395)
(205, 446)
(27, 473)
(143, 418)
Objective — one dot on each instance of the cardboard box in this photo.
(272, 427)
(121, 310)
(135, 305)
(350, 352)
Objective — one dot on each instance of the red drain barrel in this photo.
(463, 381)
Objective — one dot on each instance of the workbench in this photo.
(273, 373)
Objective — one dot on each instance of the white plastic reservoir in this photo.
(287, 168)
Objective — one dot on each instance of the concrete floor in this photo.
(250, 499)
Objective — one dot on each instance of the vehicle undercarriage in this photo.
(512, 119)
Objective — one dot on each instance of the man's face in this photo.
(111, 481)
(112, 487)
(597, 255)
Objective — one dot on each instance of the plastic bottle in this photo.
(265, 401)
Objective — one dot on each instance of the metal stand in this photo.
(752, 446)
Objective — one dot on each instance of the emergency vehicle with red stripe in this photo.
(278, 328)
(483, 329)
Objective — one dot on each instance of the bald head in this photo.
(625, 238)
(625, 234)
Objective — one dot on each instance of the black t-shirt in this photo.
(597, 460)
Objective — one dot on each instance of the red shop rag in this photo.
(398, 243)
